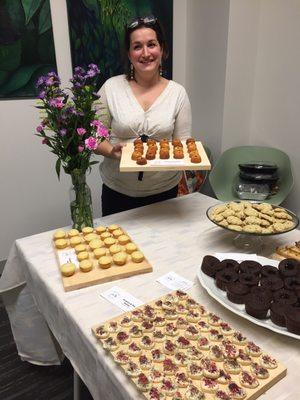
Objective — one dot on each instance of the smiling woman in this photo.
(141, 104)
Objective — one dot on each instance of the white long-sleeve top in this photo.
(168, 117)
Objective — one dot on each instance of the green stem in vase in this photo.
(81, 201)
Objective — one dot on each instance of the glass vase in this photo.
(80, 201)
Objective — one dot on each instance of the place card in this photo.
(166, 162)
(67, 256)
(175, 282)
(236, 256)
(121, 298)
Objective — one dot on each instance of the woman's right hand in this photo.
(116, 151)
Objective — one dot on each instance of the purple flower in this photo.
(39, 128)
(81, 131)
(40, 81)
(79, 70)
(80, 149)
(57, 103)
(42, 94)
(94, 67)
(91, 143)
(63, 132)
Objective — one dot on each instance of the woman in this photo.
(141, 102)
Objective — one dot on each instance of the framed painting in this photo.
(26, 46)
(97, 31)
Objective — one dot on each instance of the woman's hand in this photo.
(116, 151)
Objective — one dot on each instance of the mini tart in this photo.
(159, 321)
(112, 227)
(171, 329)
(193, 316)
(122, 337)
(171, 314)
(100, 252)
(90, 236)
(130, 248)
(83, 255)
(203, 343)
(73, 232)
(215, 335)
(135, 331)
(109, 241)
(105, 262)
(86, 230)
(159, 336)
(74, 241)
(235, 391)
(177, 396)
(95, 244)
(243, 358)
(168, 387)
(144, 361)
(155, 394)
(137, 315)
(192, 332)
(181, 309)
(169, 347)
(143, 383)
(182, 342)
(117, 232)
(214, 320)
(210, 369)
(86, 265)
(239, 339)
(168, 305)
(132, 369)
(194, 370)
(115, 248)
(230, 351)
(170, 298)
(193, 353)
(226, 328)
(267, 361)
(181, 358)
(147, 326)
(259, 371)
(126, 322)
(222, 395)
(209, 385)
(59, 235)
(61, 243)
(156, 375)
(121, 357)
(232, 367)
(182, 380)
(248, 380)
(181, 295)
(112, 327)
(204, 327)
(68, 269)
(100, 229)
(134, 350)
(193, 393)
(223, 378)
(137, 256)
(216, 353)
(79, 248)
(253, 350)
(101, 332)
(146, 342)
(110, 344)
(149, 313)
(169, 367)
(123, 239)
(181, 323)
(157, 355)
(120, 258)
(105, 235)
(202, 310)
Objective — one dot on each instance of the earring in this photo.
(160, 70)
(131, 72)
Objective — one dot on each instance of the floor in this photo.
(22, 380)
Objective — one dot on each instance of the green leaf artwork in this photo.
(26, 46)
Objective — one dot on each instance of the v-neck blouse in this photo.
(169, 116)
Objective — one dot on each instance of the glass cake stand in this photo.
(251, 242)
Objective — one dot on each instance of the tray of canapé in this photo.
(98, 255)
(164, 155)
(173, 348)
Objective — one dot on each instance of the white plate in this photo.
(209, 284)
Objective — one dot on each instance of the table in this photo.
(174, 235)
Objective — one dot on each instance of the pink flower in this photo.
(80, 149)
(39, 128)
(81, 131)
(91, 143)
(56, 102)
(96, 123)
(102, 132)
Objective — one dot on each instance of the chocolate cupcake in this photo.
(228, 263)
(285, 296)
(248, 279)
(211, 265)
(273, 284)
(268, 271)
(224, 277)
(251, 267)
(236, 292)
(292, 283)
(277, 313)
(262, 292)
(257, 307)
(288, 267)
(293, 319)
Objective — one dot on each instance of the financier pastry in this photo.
(137, 256)
(87, 229)
(59, 235)
(73, 232)
(83, 255)
(99, 252)
(105, 262)
(86, 265)
(123, 239)
(68, 269)
(61, 243)
(120, 258)
(74, 241)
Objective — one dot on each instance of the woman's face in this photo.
(145, 52)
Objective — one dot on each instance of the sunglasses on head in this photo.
(148, 20)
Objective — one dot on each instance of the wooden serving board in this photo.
(97, 274)
(129, 165)
(264, 384)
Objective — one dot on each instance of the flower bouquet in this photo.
(70, 127)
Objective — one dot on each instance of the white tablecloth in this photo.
(174, 235)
